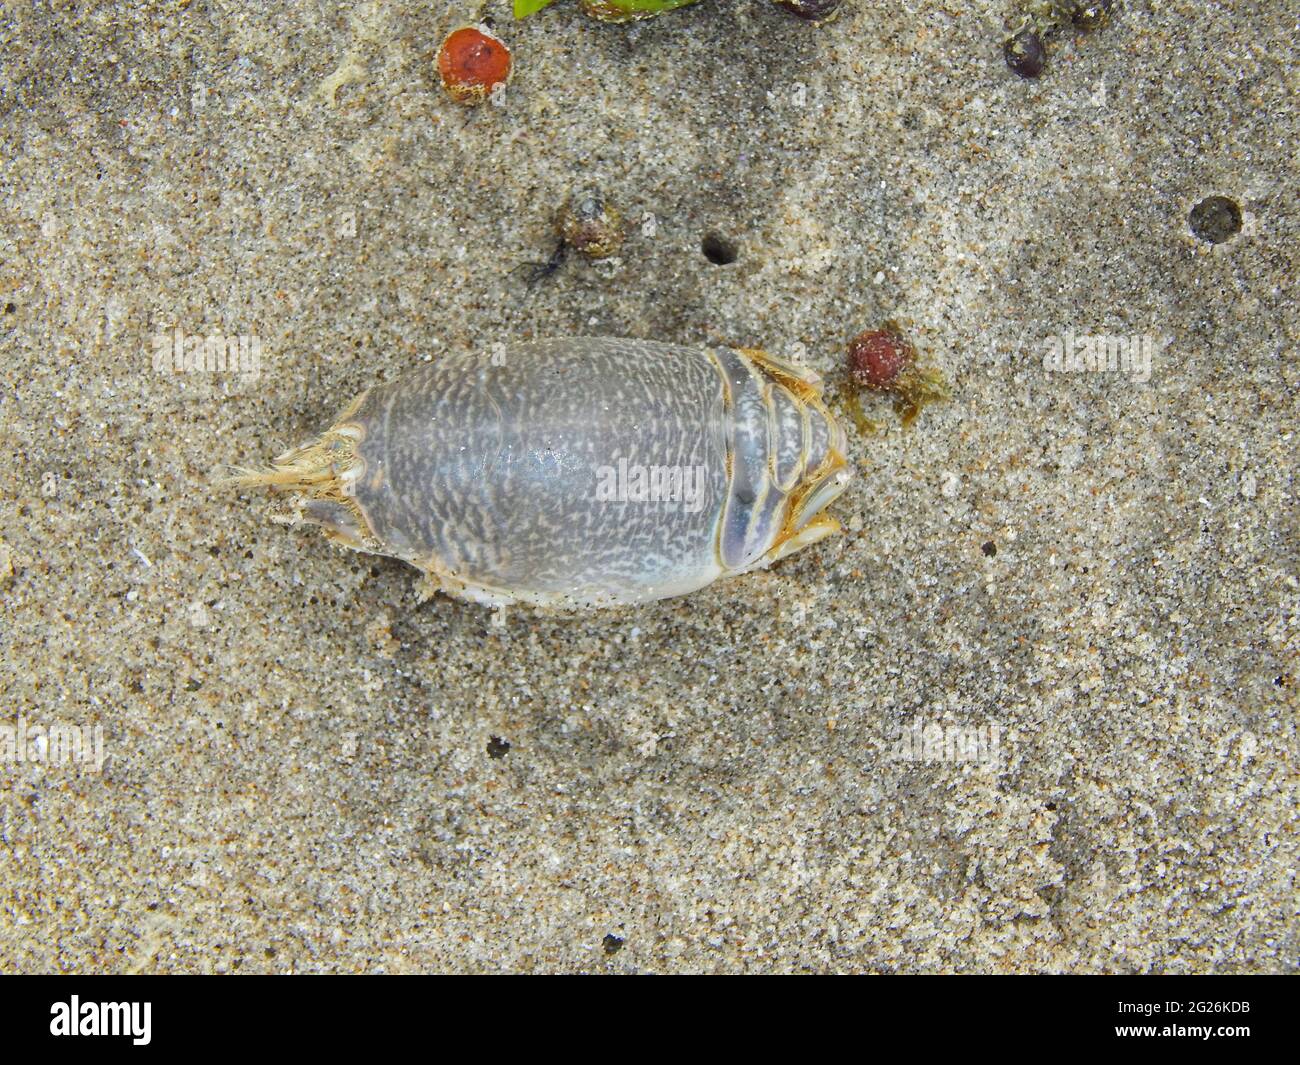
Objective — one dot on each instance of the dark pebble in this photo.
(1092, 16)
(1025, 55)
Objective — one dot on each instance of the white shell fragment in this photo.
(582, 472)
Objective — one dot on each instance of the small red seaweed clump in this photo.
(877, 356)
(472, 63)
(883, 360)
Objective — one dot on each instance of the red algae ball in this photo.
(472, 63)
(877, 357)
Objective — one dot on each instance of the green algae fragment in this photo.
(524, 8)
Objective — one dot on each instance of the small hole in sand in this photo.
(719, 250)
(1215, 219)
